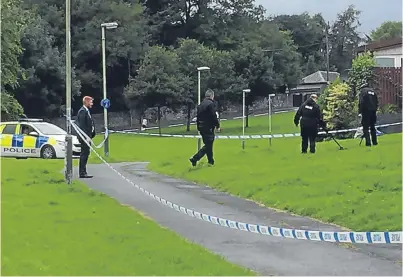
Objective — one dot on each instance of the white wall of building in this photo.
(389, 57)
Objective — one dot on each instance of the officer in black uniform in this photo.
(367, 107)
(206, 122)
(85, 123)
(311, 117)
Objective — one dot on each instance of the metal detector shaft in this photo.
(341, 147)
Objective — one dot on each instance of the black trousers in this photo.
(208, 140)
(368, 126)
(308, 134)
(84, 154)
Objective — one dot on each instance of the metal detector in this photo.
(340, 147)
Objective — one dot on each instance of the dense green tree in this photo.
(388, 29)
(14, 20)
(42, 92)
(308, 34)
(159, 80)
(344, 38)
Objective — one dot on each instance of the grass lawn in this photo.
(359, 188)
(50, 228)
(281, 123)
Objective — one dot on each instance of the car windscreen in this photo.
(49, 129)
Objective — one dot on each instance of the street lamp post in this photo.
(199, 70)
(68, 139)
(109, 25)
(244, 92)
(270, 96)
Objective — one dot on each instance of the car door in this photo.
(7, 142)
(29, 147)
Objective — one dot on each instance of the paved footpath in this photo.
(265, 254)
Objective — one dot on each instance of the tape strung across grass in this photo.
(345, 237)
(247, 136)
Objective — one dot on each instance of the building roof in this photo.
(320, 77)
(381, 44)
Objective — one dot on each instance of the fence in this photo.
(126, 120)
(389, 83)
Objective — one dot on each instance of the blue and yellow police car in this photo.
(34, 138)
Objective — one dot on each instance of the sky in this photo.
(373, 12)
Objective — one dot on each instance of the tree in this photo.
(255, 71)
(192, 55)
(339, 111)
(387, 30)
(14, 20)
(42, 92)
(308, 34)
(158, 82)
(10, 108)
(125, 46)
(344, 38)
(362, 71)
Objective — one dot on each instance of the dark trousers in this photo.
(308, 134)
(208, 140)
(85, 152)
(368, 126)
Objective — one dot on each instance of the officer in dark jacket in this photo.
(311, 117)
(367, 107)
(206, 122)
(85, 123)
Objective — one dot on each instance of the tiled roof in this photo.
(378, 45)
(320, 77)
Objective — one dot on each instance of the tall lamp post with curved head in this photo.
(108, 25)
(199, 70)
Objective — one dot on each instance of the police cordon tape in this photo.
(385, 237)
(87, 138)
(247, 136)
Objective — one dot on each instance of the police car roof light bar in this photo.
(31, 119)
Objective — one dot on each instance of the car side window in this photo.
(9, 129)
(26, 129)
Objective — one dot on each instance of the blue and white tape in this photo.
(248, 136)
(342, 237)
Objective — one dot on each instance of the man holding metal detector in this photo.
(367, 107)
(310, 116)
(207, 121)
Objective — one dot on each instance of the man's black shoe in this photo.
(211, 163)
(193, 162)
(86, 176)
(303, 152)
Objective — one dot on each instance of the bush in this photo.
(322, 98)
(362, 71)
(341, 109)
(389, 109)
(10, 108)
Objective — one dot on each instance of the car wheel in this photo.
(48, 152)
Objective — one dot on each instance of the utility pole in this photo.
(69, 143)
(327, 52)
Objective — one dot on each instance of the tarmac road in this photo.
(266, 255)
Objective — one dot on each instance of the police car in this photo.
(33, 138)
